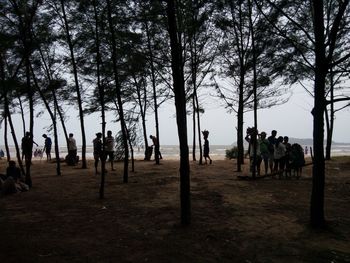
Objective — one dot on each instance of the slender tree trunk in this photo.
(28, 161)
(180, 104)
(255, 87)
(118, 92)
(194, 128)
(142, 106)
(8, 155)
(154, 86)
(240, 112)
(53, 118)
(22, 115)
(77, 87)
(199, 131)
(14, 137)
(101, 92)
(56, 106)
(318, 172)
(330, 121)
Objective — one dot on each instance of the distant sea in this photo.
(172, 151)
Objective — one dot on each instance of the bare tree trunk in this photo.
(53, 118)
(77, 87)
(118, 92)
(199, 131)
(8, 155)
(330, 120)
(255, 87)
(14, 137)
(193, 127)
(22, 115)
(154, 86)
(317, 218)
(180, 103)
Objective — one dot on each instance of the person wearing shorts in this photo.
(109, 148)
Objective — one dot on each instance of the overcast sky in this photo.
(292, 119)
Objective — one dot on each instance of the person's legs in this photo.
(111, 159)
(96, 157)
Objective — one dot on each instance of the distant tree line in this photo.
(129, 57)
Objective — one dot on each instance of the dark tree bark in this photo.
(318, 172)
(118, 91)
(53, 119)
(77, 87)
(180, 104)
(154, 87)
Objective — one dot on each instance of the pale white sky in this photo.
(292, 119)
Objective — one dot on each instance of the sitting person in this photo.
(11, 182)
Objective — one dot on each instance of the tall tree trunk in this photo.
(53, 92)
(154, 87)
(330, 120)
(22, 115)
(318, 172)
(142, 104)
(194, 128)
(8, 155)
(180, 104)
(77, 87)
(118, 91)
(101, 92)
(255, 87)
(199, 131)
(53, 119)
(240, 112)
(28, 161)
(14, 137)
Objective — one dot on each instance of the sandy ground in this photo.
(62, 219)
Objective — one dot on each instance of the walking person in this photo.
(98, 151)
(109, 148)
(206, 147)
(47, 147)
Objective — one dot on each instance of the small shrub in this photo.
(232, 153)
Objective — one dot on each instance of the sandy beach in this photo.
(62, 219)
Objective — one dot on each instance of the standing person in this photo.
(2, 154)
(264, 150)
(47, 147)
(272, 142)
(251, 138)
(287, 155)
(98, 151)
(109, 148)
(206, 147)
(156, 146)
(27, 147)
(72, 150)
(279, 154)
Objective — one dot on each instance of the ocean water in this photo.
(173, 152)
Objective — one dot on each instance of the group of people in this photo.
(12, 181)
(276, 152)
(102, 151)
(27, 147)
